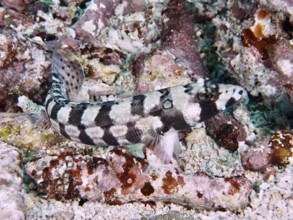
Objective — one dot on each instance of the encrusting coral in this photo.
(121, 178)
(235, 165)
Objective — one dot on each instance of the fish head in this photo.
(214, 98)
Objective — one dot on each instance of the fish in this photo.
(153, 118)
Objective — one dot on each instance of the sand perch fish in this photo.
(151, 118)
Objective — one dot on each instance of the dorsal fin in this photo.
(68, 71)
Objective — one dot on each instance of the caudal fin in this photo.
(67, 70)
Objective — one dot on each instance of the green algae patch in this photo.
(9, 132)
(27, 132)
(16, 135)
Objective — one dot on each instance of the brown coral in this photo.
(226, 130)
(282, 147)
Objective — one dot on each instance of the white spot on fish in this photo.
(63, 114)
(226, 93)
(89, 115)
(191, 113)
(119, 130)
(95, 133)
(180, 99)
(151, 100)
(50, 107)
(73, 132)
(121, 113)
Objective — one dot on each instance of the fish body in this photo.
(153, 117)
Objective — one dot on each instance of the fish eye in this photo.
(207, 97)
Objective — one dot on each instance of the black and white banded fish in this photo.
(152, 118)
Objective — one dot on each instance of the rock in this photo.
(121, 178)
(226, 130)
(11, 202)
(23, 66)
(179, 38)
(19, 5)
(256, 159)
(281, 144)
(95, 17)
(282, 59)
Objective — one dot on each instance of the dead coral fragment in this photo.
(256, 159)
(18, 5)
(259, 36)
(62, 176)
(106, 55)
(179, 38)
(95, 17)
(121, 178)
(23, 70)
(12, 202)
(282, 60)
(278, 153)
(128, 170)
(263, 45)
(282, 147)
(226, 130)
(243, 9)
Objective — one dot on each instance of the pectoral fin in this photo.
(163, 148)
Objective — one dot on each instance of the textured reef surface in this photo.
(236, 165)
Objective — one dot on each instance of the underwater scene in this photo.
(146, 109)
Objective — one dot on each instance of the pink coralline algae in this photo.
(11, 202)
(282, 60)
(177, 59)
(18, 5)
(94, 18)
(243, 9)
(179, 38)
(23, 67)
(121, 178)
(274, 151)
(9, 17)
(256, 159)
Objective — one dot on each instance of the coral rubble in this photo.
(236, 165)
(11, 202)
(121, 178)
